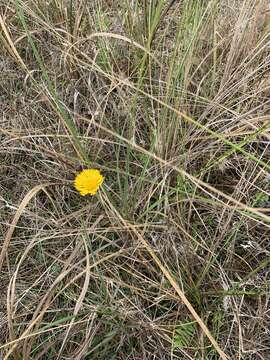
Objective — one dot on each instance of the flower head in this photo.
(88, 181)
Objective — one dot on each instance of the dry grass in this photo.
(170, 100)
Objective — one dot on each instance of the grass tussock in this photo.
(170, 101)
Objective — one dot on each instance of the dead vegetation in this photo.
(170, 100)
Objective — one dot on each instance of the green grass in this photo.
(169, 100)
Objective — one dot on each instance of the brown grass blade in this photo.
(16, 218)
(181, 295)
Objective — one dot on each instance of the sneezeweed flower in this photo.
(88, 181)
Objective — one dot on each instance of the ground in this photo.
(169, 100)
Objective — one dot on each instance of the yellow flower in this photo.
(88, 181)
